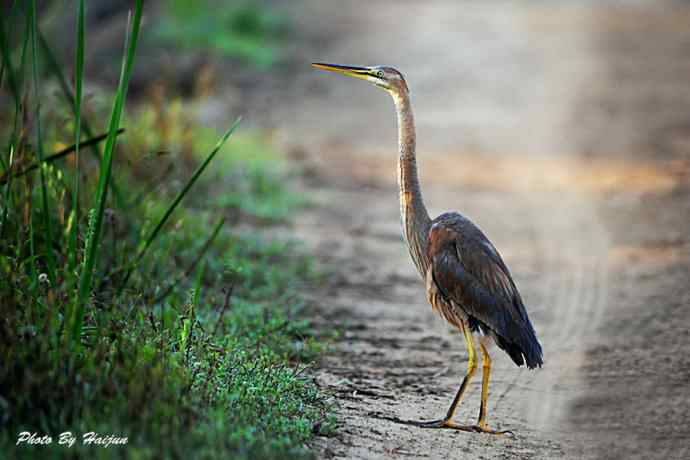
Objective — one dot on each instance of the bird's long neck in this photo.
(415, 218)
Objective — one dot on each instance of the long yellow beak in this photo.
(350, 71)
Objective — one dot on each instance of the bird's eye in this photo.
(379, 74)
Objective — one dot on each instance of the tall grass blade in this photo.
(33, 272)
(47, 224)
(70, 98)
(7, 63)
(91, 253)
(17, 140)
(78, 78)
(188, 326)
(11, 78)
(19, 72)
(6, 202)
(162, 221)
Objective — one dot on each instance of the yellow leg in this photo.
(471, 368)
(480, 427)
(486, 372)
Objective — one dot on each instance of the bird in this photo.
(466, 280)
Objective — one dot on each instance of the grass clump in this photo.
(157, 313)
(207, 372)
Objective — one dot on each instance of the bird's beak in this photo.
(357, 72)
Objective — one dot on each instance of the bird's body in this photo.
(467, 282)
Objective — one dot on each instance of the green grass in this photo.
(193, 373)
(163, 314)
(78, 83)
(141, 252)
(91, 250)
(47, 223)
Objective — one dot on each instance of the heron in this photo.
(467, 282)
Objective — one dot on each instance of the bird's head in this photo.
(387, 78)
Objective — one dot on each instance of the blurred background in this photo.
(561, 128)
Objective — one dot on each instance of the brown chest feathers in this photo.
(453, 315)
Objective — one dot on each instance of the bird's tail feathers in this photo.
(523, 346)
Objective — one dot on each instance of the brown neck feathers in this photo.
(415, 218)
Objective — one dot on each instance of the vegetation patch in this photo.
(138, 295)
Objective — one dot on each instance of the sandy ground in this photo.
(563, 132)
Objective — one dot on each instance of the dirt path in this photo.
(518, 129)
(397, 359)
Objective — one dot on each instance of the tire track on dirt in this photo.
(576, 299)
(637, 370)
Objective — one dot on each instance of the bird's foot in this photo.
(483, 429)
(442, 423)
(449, 424)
